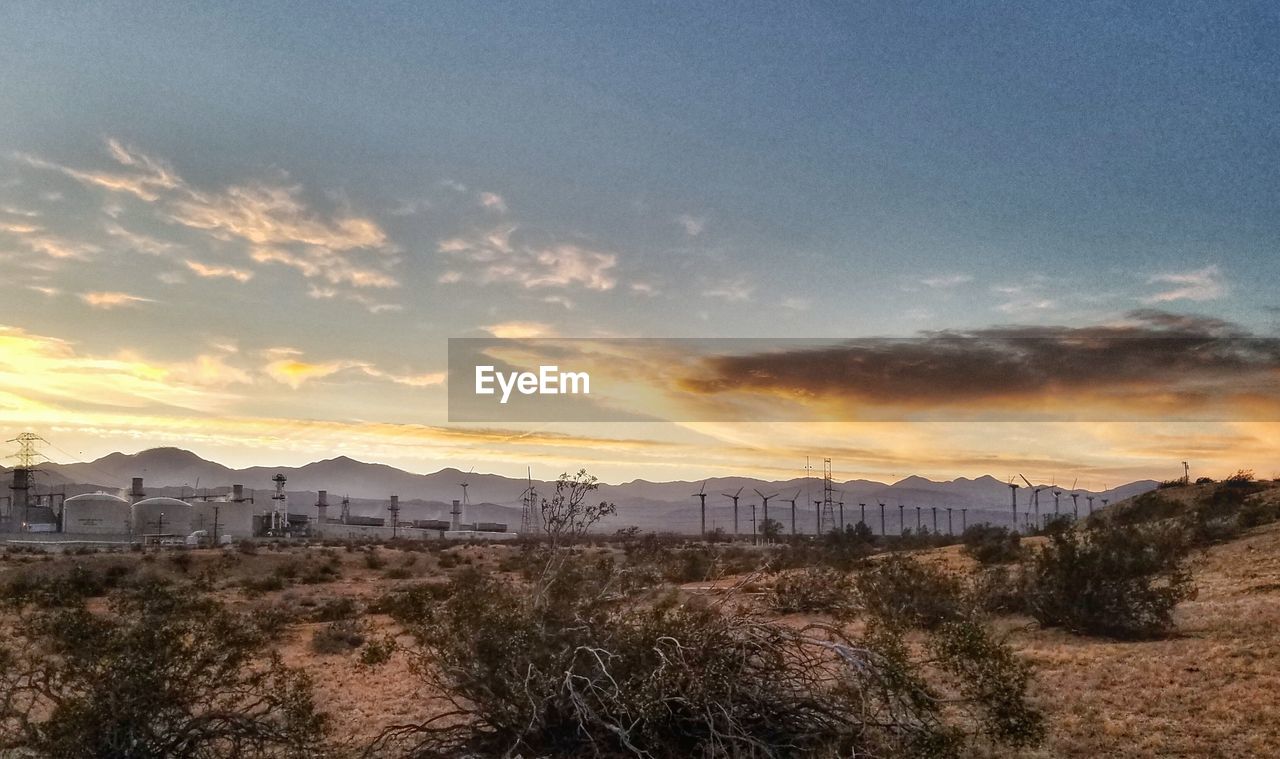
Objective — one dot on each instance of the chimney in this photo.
(136, 493)
(457, 516)
(322, 506)
(237, 493)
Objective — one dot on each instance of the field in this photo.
(1208, 689)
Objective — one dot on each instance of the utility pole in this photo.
(882, 531)
(949, 530)
(964, 522)
(902, 521)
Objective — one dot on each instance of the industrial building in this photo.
(203, 519)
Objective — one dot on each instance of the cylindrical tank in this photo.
(161, 516)
(229, 518)
(95, 514)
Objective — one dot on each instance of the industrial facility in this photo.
(214, 517)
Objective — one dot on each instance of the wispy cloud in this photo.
(519, 330)
(493, 201)
(496, 258)
(110, 300)
(946, 281)
(693, 225)
(271, 221)
(1198, 285)
(734, 291)
(290, 368)
(215, 272)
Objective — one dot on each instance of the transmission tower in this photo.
(827, 515)
(529, 501)
(23, 474)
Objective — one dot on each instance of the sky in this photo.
(249, 229)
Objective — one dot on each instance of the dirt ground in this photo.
(1211, 690)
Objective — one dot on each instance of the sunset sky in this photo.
(250, 230)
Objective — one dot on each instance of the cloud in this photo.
(272, 222)
(215, 272)
(288, 367)
(693, 225)
(109, 300)
(1199, 285)
(493, 202)
(150, 179)
(644, 288)
(140, 242)
(326, 264)
(1152, 360)
(735, 291)
(37, 369)
(796, 304)
(295, 372)
(947, 281)
(519, 330)
(45, 290)
(497, 259)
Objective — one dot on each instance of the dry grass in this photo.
(1209, 691)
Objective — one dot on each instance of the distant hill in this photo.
(670, 506)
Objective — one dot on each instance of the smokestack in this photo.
(457, 516)
(322, 506)
(136, 493)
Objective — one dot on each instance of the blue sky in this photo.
(691, 169)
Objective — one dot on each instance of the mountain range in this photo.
(666, 506)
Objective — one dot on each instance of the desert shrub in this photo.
(988, 544)
(1256, 512)
(1227, 509)
(822, 590)
(377, 652)
(569, 668)
(254, 586)
(337, 637)
(323, 572)
(411, 601)
(1120, 581)
(448, 560)
(372, 559)
(334, 609)
(397, 573)
(163, 672)
(1000, 589)
(913, 594)
(181, 560)
(247, 547)
(1151, 506)
(1204, 480)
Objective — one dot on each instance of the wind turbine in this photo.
(792, 500)
(1075, 498)
(1035, 498)
(1013, 491)
(701, 495)
(735, 508)
(765, 499)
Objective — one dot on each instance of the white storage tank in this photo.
(95, 514)
(233, 518)
(161, 516)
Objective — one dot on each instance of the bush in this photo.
(337, 637)
(334, 609)
(1000, 589)
(816, 589)
(902, 589)
(988, 544)
(1148, 507)
(571, 668)
(1119, 581)
(162, 673)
